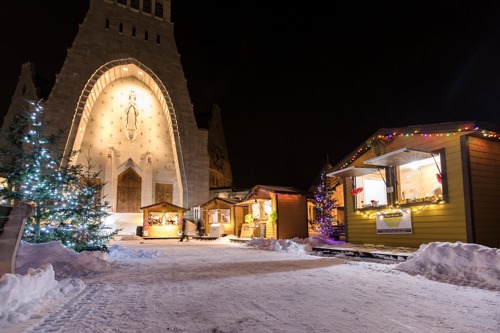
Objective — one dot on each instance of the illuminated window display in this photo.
(159, 218)
(414, 176)
(404, 176)
(219, 216)
(372, 191)
(420, 181)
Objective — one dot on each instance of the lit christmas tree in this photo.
(67, 206)
(324, 220)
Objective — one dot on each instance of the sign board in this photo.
(394, 221)
(246, 230)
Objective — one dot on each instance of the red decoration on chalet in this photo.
(356, 191)
(439, 178)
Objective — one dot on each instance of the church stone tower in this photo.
(122, 99)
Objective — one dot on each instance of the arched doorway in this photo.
(129, 192)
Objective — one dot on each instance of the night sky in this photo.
(300, 81)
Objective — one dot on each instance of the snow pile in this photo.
(456, 263)
(296, 245)
(36, 283)
(121, 253)
(225, 239)
(317, 240)
(65, 262)
(22, 295)
(130, 237)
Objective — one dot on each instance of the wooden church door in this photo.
(129, 192)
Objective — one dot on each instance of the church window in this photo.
(107, 23)
(121, 27)
(164, 192)
(146, 6)
(134, 4)
(158, 9)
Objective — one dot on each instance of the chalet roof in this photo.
(476, 128)
(219, 200)
(262, 191)
(164, 204)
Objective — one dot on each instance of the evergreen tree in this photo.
(67, 206)
(324, 220)
(85, 211)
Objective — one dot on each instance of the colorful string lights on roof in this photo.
(428, 134)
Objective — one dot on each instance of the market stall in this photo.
(162, 220)
(274, 212)
(425, 183)
(220, 216)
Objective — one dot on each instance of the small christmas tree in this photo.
(324, 205)
(67, 206)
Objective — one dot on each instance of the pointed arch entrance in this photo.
(129, 192)
(100, 103)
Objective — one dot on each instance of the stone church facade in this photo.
(122, 100)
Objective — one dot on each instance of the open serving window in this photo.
(219, 215)
(417, 175)
(369, 187)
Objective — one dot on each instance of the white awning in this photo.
(399, 157)
(352, 171)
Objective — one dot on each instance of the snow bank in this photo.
(296, 245)
(121, 253)
(66, 262)
(35, 284)
(21, 295)
(39, 264)
(457, 263)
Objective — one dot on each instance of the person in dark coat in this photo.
(198, 228)
(184, 231)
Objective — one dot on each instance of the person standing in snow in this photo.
(198, 228)
(184, 231)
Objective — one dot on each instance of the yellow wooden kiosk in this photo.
(162, 220)
(426, 183)
(220, 216)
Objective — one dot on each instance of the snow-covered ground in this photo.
(263, 286)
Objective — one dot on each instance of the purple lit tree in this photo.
(324, 218)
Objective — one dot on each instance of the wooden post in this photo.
(11, 234)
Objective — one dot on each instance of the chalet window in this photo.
(415, 176)
(370, 190)
(219, 216)
(420, 181)
(402, 177)
(369, 185)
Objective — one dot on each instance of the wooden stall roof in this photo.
(164, 207)
(477, 129)
(218, 202)
(262, 192)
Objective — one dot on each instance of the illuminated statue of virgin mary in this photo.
(132, 113)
